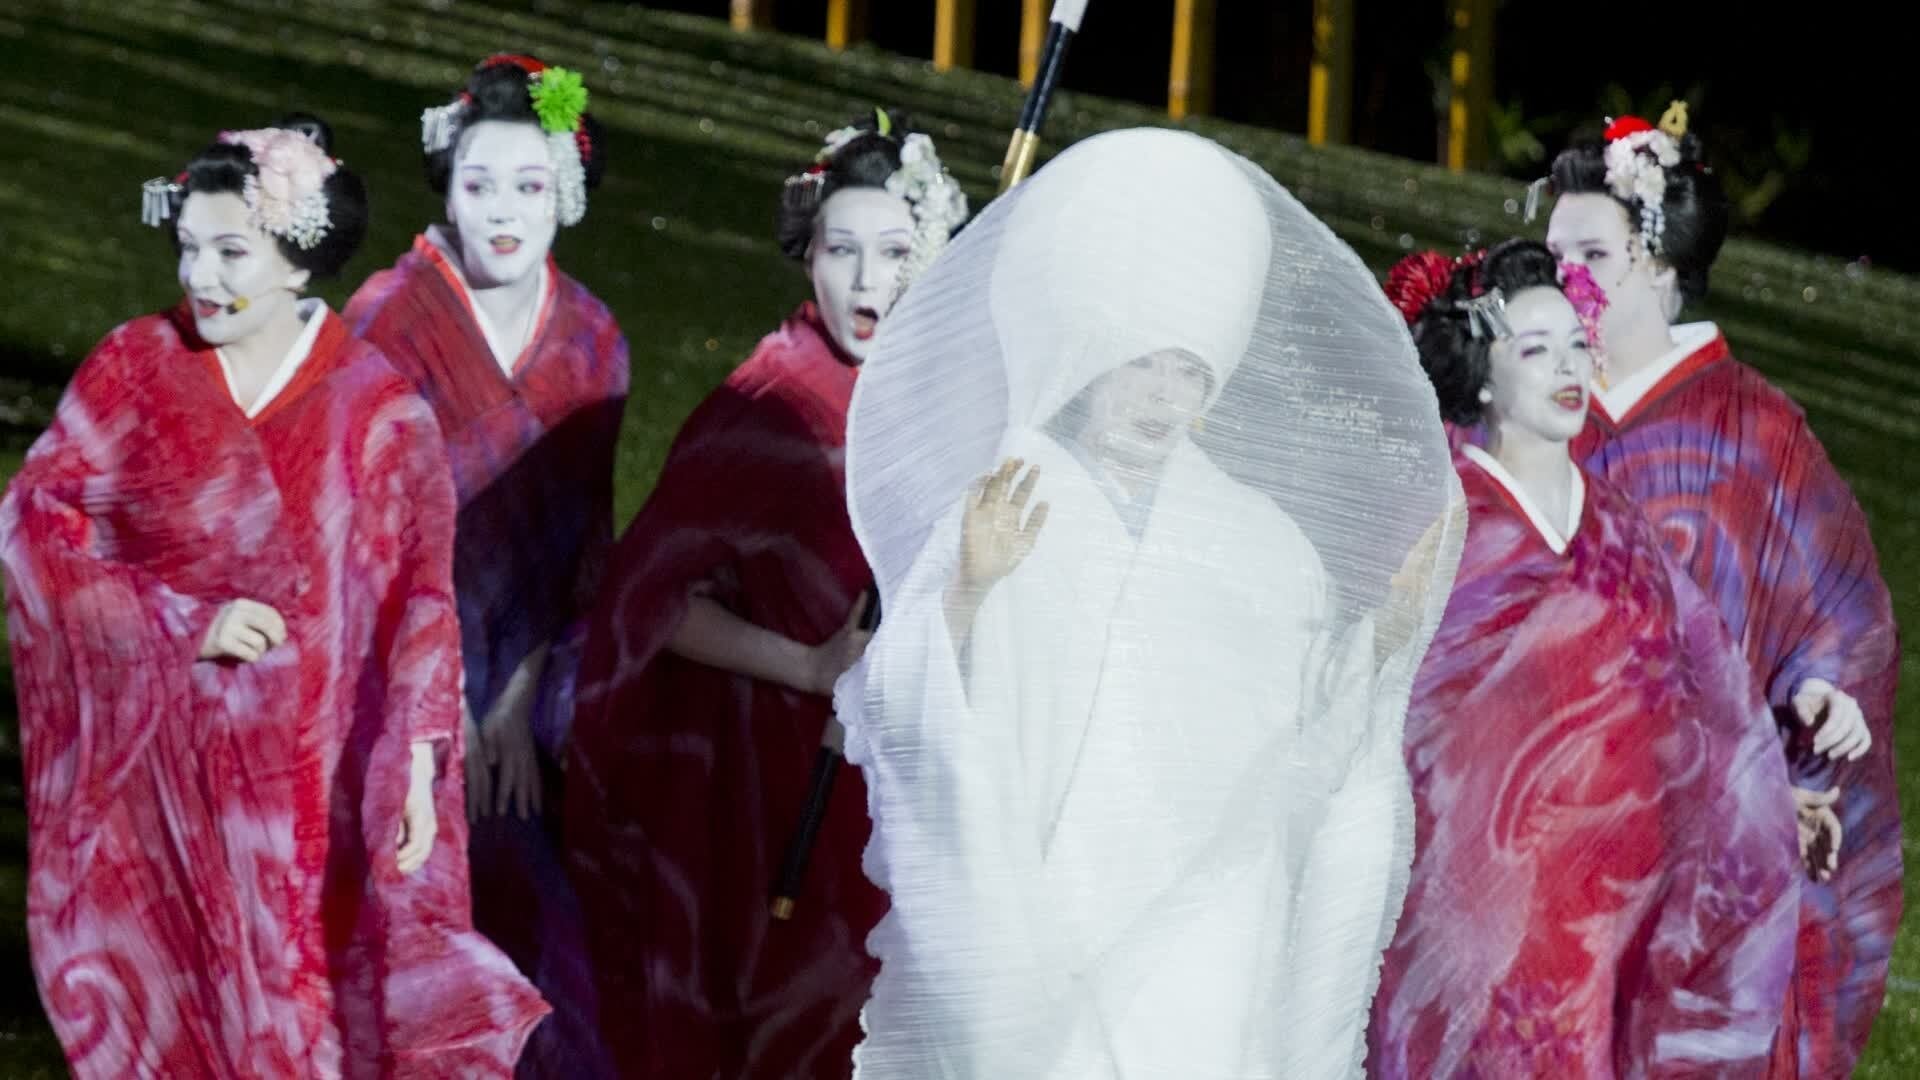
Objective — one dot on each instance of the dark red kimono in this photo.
(213, 888)
(532, 461)
(685, 781)
(1746, 500)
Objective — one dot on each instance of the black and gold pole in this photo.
(1025, 145)
(826, 766)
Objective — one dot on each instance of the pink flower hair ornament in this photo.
(287, 193)
(1588, 300)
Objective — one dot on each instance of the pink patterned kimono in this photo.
(213, 888)
(1745, 499)
(531, 453)
(1606, 868)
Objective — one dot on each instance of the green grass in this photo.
(98, 95)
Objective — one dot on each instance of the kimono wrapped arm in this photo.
(102, 648)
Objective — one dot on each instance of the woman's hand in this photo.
(832, 657)
(243, 630)
(1819, 831)
(418, 825)
(1844, 735)
(997, 533)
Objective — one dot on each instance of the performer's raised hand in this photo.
(418, 825)
(1819, 831)
(1844, 735)
(243, 630)
(998, 532)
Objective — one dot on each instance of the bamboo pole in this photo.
(1471, 92)
(1330, 81)
(1033, 33)
(952, 34)
(1190, 81)
(846, 23)
(752, 14)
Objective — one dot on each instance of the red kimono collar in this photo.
(457, 282)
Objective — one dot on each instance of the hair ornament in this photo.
(438, 124)
(559, 99)
(157, 197)
(286, 193)
(1487, 316)
(1638, 156)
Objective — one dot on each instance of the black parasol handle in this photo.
(826, 766)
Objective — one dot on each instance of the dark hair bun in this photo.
(866, 160)
(1457, 362)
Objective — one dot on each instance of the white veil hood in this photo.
(1150, 816)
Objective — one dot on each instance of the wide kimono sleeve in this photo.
(972, 982)
(1708, 997)
(1823, 610)
(553, 719)
(411, 508)
(102, 648)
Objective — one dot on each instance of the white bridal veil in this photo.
(1145, 815)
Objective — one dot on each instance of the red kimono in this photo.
(213, 888)
(1747, 502)
(531, 453)
(1605, 878)
(686, 781)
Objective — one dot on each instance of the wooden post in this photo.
(952, 34)
(1190, 84)
(1471, 93)
(846, 23)
(1330, 81)
(752, 14)
(1033, 37)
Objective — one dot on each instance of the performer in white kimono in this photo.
(1143, 466)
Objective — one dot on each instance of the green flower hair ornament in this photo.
(559, 98)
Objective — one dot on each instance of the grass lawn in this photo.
(99, 95)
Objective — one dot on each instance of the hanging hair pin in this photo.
(1487, 316)
(156, 200)
(1534, 191)
(438, 123)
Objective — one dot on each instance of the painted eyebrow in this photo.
(184, 235)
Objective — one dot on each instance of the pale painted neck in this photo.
(1636, 348)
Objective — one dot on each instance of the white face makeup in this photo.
(1137, 413)
(224, 258)
(1593, 231)
(861, 238)
(1540, 376)
(501, 202)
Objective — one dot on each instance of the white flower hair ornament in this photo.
(285, 196)
(1638, 155)
(559, 99)
(939, 205)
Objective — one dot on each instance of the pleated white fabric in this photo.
(1146, 814)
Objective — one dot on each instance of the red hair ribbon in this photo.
(525, 63)
(1625, 126)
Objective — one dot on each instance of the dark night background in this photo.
(1804, 107)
